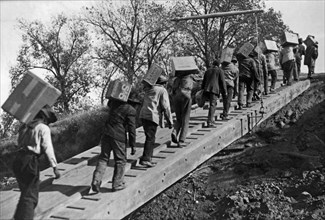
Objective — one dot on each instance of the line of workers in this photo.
(227, 79)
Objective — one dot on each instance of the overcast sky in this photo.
(304, 17)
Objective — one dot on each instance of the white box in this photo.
(289, 38)
(226, 55)
(183, 65)
(271, 46)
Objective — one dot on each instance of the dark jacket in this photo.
(311, 56)
(247, 68)
(214, 81)
(121, 119)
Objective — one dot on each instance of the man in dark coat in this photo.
(310, 58)
(247, 74)
(299, 52)
(213, 83)
(121, 120)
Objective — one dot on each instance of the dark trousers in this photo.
(212, 97)
(274, 77)
(311, 70)
(298, 64)
(150, 130)
(26, 169)
(109, 144)
(182, 105)
(248, 82)
(288, 71)
(227, 100)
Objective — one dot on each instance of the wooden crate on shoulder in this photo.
(226, 54)
(183, 65)
(153, 73)
(118, 90)
(29, 97)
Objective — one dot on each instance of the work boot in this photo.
(147, 164)
(224, 117)
(118, 175)
(174, 138)
(239, 107)
(181, 144)
(95, 186)
(119, 187)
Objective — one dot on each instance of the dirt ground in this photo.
(280, 174)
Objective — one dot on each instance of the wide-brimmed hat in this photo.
(162, 79)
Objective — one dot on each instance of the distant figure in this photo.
(310, 58)
(182, 102)
(247, 73)
(235, 63)
(287, 62)
(299, 52)
(121, 120)
(155, 103)
(261, 66)
(34, 139)
(231, 73)
(271, 67)
(213, 83)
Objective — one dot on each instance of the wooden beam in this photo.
(218, 14)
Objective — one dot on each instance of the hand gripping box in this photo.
(226, 55)
(29, 97)
(270, 46)
(183, 65)
(118, 90)
(153, 73)
(246, 49)
(289, 39)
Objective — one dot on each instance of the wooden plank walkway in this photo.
(68, 198)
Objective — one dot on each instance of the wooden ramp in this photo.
(69, 198)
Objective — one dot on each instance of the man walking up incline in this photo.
(121, 120)
(213, 83)
(156, 100)
(247, 74)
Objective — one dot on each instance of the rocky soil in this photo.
(280, 174)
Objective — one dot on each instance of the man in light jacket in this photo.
(34, 139)
(155, 104)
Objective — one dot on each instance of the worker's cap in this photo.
(47, 114)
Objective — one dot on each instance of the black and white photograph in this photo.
(162, 109)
